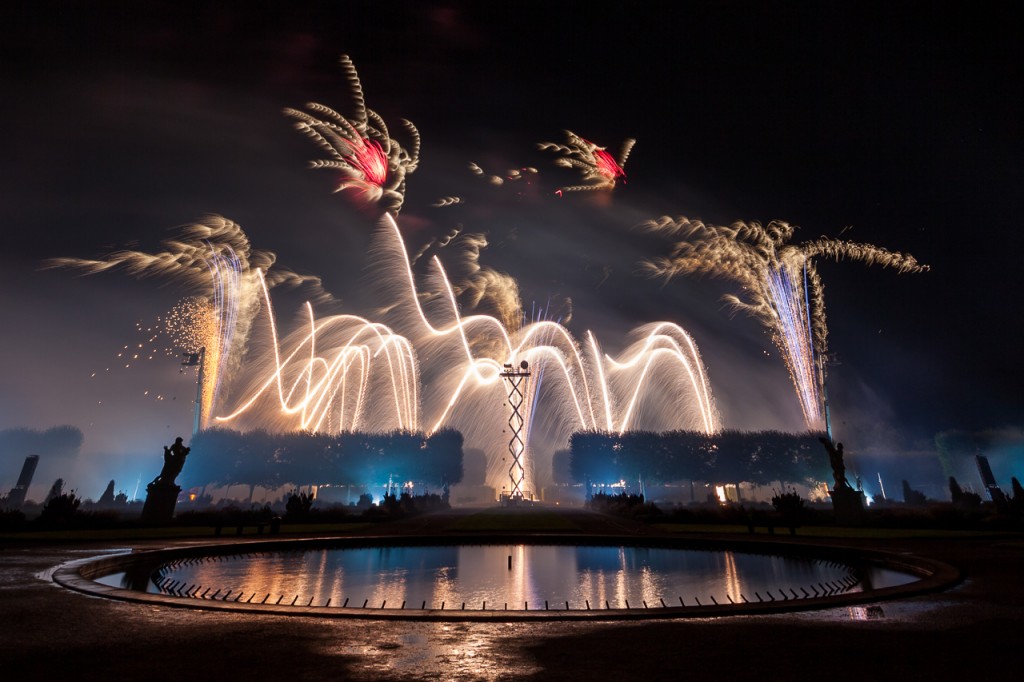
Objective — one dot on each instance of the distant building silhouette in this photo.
(16, 498)
(988, 480)
(107, 498)
(56, 490)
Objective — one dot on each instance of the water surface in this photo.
(512, 576)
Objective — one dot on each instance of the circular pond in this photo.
(603, 578)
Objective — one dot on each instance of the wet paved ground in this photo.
(969, 632)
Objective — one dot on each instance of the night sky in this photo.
(900, 121)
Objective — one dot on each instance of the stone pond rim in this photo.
(932, 576)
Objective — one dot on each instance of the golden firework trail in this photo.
(360, 148)
(781, 286)
(423, 364)
(600, 169)
(512, 176)
(431, 367)
(191, 324)
(185, 259)
(215, 259)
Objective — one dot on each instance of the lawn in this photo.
(536, 521)
(831, 531)
(179, 532)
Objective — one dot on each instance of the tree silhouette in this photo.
(730, 456)
(259, 458)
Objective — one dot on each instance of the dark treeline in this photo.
(760, 457)
(957, 449)
(58, 441)
(272, 460)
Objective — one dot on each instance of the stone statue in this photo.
(835, 458)
(162, 493)
(174, 461)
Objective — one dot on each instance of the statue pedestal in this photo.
(848, 506)
(160, 501)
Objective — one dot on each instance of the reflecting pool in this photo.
(507, 576)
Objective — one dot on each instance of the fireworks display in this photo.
(191, 324)
(186, 260)
(360, 148)
(345, 372)
(518, 178)
(599, 168)
(431, 367)
(132, 354)
(215, 259)
(432, 353)
(511, 175)
(781, 286)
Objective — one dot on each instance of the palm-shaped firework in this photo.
(361, 147)
(214, 259)
(600, 169)
(189, 258)
(781, 286)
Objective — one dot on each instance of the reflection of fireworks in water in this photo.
(600, 169)
(783, 289)
(344, 372)
(360, 148)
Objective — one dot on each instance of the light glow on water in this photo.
(478, 577)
